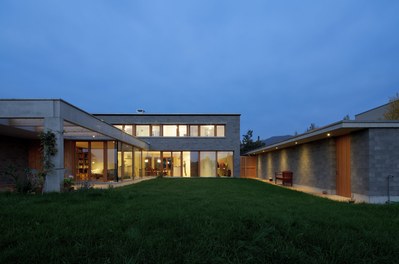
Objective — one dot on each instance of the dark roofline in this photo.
(330, 131)
(175, 114)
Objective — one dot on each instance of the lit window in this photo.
(169, 130)
(128, 129)
(220, 131)
(142, 130)
(207, 131)
(182, 131)
(193, 131)
(156, 131)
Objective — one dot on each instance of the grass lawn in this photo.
(194, 221)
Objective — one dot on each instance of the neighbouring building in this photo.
(352, 158)
(117, 147)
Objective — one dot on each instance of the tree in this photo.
(247, 143)
(392, 112)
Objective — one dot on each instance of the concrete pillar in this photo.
(54, 180)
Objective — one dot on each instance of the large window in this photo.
(125, 128)
(125, 161)
(142, 130)
(97, 161)
(225, 163)
(167, 163)
(176, 160)
(194, 131)
(152, 163)
(159, 130)
(182, 131)
(111, 160)
(207, 131)
(169, 130)
(208, 163)
(82, 161)
(138, 171)
(155, 131)
(220, 131)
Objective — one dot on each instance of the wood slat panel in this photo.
(343, 180)
(248, 167)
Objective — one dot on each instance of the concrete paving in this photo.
(319, 194)
(111, 184)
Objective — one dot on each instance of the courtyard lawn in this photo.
(194, 221)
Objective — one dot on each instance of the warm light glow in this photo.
(328, 134)
(146, 160)
(276, 147)
(94, 136)
(296, 142)
(159, 161)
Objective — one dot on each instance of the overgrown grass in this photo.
(195, 221)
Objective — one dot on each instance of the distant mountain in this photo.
(273, 140)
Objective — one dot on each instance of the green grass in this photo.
(194, 221)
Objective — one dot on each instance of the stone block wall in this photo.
(313, 164)
(360, 153)
(384, 161)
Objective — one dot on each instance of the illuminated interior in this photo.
(110, 161)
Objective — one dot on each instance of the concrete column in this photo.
(54, 179)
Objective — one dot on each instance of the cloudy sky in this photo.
(281, 64)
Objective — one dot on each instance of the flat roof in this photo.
(29, 115)
(340, 128)
(165, 114)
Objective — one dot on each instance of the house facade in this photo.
(118, 147)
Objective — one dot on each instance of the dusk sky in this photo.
(281, 64)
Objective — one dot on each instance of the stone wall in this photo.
(313, 164)
(384, 161)
(360, 153)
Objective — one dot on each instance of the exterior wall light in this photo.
(328, 134)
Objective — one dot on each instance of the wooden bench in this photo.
(284, 176)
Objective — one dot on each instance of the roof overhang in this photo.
(25, 118)
(333, 130)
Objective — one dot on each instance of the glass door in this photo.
(167, 163)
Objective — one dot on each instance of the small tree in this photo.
(248, 144)
(392, 112)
